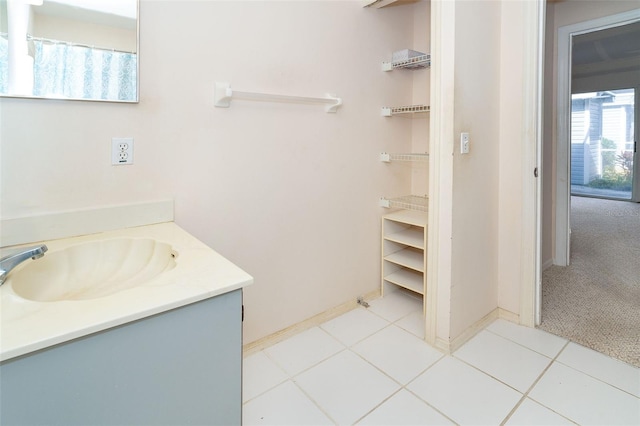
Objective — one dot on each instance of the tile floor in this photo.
(371, 367)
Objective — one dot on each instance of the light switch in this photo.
(464, 143)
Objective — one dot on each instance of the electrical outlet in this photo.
(121, 151)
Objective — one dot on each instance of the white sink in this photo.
(90, 283)
(93, 269)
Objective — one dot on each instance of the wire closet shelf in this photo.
(407, 202)
(388, 157)
(417, 62)
(407, 109)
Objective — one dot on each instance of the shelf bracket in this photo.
(223, 95)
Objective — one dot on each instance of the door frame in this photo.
(531, 209)
(563, 129)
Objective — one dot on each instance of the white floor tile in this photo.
(395, 305)
(283, 405)
(398, 353)
(530, 413)
(259, 374)
(346, 386)
(304, 350)
(503, 359)
(585, 400)
(534, 339)
(312, 378)
(464, 394)
(600, 366)
(404, 408)
(413, 323)
(354, 326)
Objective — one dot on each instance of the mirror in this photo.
(69, 49)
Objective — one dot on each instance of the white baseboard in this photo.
(448, 347)
(51, 226)
(315, 320)
(508, 315)
(547, 264)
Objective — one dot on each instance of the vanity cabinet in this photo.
(404, 251)
(179, 367)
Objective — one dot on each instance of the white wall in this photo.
(421, 95)
(487, 202)
(287, 192)
(510, 154)
(475, 176)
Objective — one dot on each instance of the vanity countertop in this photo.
(199, 273)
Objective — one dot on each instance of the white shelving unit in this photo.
(404, 228)
(404, 251)
(404, 231)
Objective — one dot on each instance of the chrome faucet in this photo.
(10, 261)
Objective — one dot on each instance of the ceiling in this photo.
(610, 50)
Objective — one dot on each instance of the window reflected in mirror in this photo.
(69, 49)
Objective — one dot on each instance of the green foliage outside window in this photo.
(617, 169)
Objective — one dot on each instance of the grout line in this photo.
(270, 388)
(313, 400)
(598, 379)
(361, 339)
(486, 373)
(567, 342)
(527, 347)
(331, 335)
(291, 376)
(423, 400)
(377, 406)
(376, 367)
(525, 395)
(402, 386)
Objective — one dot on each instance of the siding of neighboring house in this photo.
(586, 136)
(614, 125)
(594, 154)
(579, 126)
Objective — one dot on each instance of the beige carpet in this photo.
(596, 300)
